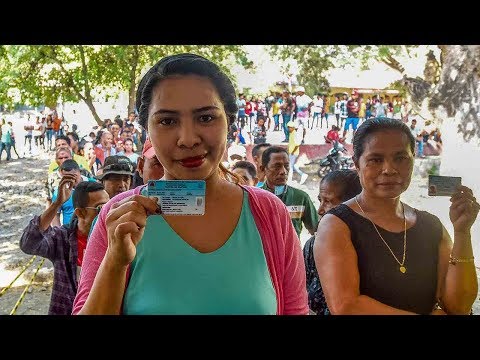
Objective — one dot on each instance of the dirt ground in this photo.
(22, 196)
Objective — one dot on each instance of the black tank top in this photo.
(380, 277)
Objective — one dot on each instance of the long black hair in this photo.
(185, 64)
(374, 125)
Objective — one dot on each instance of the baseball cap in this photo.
(69, 165)
(116, 164)
(148, 150)
(237, 150)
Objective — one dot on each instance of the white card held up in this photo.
(443, 185)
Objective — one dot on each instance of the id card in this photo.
(179, 197)
(443, 185)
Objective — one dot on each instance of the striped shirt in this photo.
(59, 245)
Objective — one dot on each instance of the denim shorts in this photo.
(353, 121)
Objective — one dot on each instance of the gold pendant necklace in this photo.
(402, 268)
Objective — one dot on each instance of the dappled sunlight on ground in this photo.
(16, 199)
(6, 276)
(16, 183)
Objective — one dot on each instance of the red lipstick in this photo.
(193, 162)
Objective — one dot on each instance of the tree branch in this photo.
(393, 63)
(443, 53)
(85, 73)
(66, 73)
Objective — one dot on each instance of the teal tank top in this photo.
(168, 276)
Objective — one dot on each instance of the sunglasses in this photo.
(97, 209)
(120, 166)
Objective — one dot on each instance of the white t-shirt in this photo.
(380, 109)
(302, 102)
(317, 105)
(337, 107)
(343, 109)
(29, 123)
(241, 103)
(415, 131)
(38, 129)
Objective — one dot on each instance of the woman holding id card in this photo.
(377, 255)
(234, 251)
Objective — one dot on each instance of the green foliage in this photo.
(5, 77)
(434, 170)
(315, 60)
(44, 73)
(399, 85)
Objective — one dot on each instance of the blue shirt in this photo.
(168, 276)
(66, 209)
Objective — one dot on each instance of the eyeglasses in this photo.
(97, 209)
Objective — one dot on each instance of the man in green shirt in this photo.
(275, 164)
(64, 141)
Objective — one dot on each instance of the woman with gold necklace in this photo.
(377, 255)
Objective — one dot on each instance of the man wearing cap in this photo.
(303, 103)
(353, 108)
(117, 174)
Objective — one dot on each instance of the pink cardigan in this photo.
(280, 244)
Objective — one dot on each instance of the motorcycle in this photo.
(336, 159)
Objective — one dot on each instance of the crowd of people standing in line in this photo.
(255, 116)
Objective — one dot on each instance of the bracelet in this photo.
(454, 260)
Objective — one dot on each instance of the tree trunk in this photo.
(94, 111)
(455, 103)
(132, 92)
(133, 80)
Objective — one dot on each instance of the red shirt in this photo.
(248, 108)
(81, 244)
(333, 135)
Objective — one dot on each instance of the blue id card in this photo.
(179, 197)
